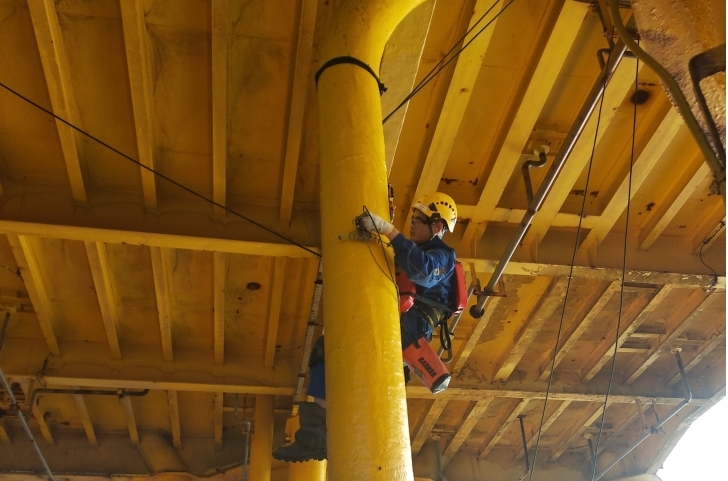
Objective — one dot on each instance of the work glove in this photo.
(374, 223)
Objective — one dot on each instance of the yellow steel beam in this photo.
(218, 419)
(130, 420)
(643, 165)
(551, 270)
(475, 394)
(515, 216)
(427, 424)
(592, 413)
(98, 261)
(219, 279)
(174, 418)
(676, 194)
(712, 222)
(570, 341)
(57, 74)
(474, 338)
(89, 365)
(622, 81)
(475, 414)
(274, 308)
(535, 314)
(560, 26)
(5, 432)
(588, 372)
(299, 90)
(546, 425)
(638, 365)
(456, 102)
(24, 251)
(262, 440)
(160, 268)
(39, 417)
(717, 341)
(140, 84)
(490, 444)
(85, 418)
(353, 173)
(157, 239)
(401, 64)
(220, 43)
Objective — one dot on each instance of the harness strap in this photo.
(353, 61)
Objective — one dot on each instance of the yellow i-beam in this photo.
(262, 441)
(368, 434)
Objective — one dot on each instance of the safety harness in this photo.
(436, 313)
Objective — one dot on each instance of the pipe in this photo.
(14, 403)
(26, 428)
(525, 170)
(678, 97)
(577, 127)
(525, 444)
(89, 392)
(368, 431)
(246, 451)
(656, 427)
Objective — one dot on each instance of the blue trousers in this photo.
(412, 327)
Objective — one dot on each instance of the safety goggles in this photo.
(419, 220)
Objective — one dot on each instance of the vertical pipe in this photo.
(262, 443)
(368, 433)
(308, 471)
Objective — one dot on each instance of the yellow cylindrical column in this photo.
(261, 445)
(368, 435)
(308, 471)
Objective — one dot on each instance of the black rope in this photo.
(353, 61)
(704, 243)
(159, 174)
(435, 70)
(571, 270)
(624, 271)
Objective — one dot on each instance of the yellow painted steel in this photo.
(261, 444)
(308, 471)
(367, 411)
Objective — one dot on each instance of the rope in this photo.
(158, 174)
(624, 270)
(571, 270)
(435, 70)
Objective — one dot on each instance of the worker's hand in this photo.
(373, 223)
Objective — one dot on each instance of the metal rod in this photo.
(246, 451)
(26, 428)
(656, 427)
(525, 444)
(577, 128)
(88, 392)
(678, 98)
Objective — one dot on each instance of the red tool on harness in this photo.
(419, 356)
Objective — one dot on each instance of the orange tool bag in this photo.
(424, 362)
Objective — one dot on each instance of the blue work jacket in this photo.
(431, 267)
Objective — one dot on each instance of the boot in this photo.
(310, 439)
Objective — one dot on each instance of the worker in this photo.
(429, 263)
